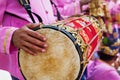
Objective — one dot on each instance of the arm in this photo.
(5, 32)
(12, 38)
(84, 2)
(68, 8)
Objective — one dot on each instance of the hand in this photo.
(83, 2)
(28, 40)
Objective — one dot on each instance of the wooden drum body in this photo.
(71, 43)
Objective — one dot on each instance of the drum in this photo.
(71, 44)
(118, 17)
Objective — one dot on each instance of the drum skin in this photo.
(61, 61)
(71, 44)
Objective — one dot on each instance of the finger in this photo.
(36, 35)
(27, 50)
(35, 41)
(33, 25)
(33, 47)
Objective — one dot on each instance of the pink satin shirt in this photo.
(12, 17)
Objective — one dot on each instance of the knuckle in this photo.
(22, 36)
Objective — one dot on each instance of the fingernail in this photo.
(44, 39)
(43, 50)
(45, 45)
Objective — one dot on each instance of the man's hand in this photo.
(28, 40)
(83, 2)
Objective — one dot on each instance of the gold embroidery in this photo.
(6, 38)
(85, 36)
(25, 1)
(75, 6)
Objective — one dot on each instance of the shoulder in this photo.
(111, 75)
(3, 2)
(97, 66)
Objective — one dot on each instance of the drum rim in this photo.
(76, 46)
(69, 36)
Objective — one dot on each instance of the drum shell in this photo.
(83, 32)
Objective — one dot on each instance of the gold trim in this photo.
(5, 39)
(21, 2)
(27, 1)
(75, 7)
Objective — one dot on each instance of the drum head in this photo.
(61, 61)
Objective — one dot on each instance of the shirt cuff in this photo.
(7, 40)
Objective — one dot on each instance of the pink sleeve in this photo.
(5, 31)
(5, 39)
(2, 9)
(111, 75)
(68, 7)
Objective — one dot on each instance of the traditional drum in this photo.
(71, 44)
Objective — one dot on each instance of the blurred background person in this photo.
(102, 67)
(68, 8)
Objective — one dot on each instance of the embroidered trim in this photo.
(76, 7)
(5, 39)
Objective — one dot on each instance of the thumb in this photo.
(33, 26)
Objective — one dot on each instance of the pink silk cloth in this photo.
(67, 7)
(12, 17)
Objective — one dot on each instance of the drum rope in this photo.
(63, 23)
(85, 59)
(94, 37)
